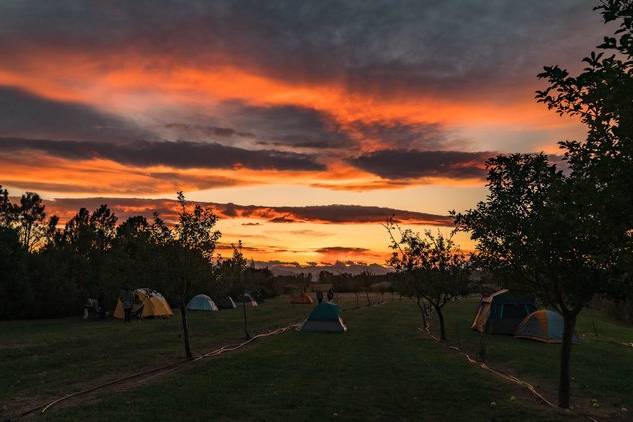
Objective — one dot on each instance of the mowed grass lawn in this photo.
(41, 359)
(381, 369)
(602, 367)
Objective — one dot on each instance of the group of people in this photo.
(95, 308)
(330, 295)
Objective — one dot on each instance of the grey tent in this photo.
(247, 299)
(225, 302)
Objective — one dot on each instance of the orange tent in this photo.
(302, 299)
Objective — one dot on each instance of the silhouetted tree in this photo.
(7, 209)
(434, 269)
(29, 217)
(567, 236)
(192, 251)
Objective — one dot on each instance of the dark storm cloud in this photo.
(341, 250)
(338, 214)
(355, 214)
(175, 154)
(26, 115)
(196, 131)
(292, 126)
(411, 164)
(405, 135)
(287, 126)
(339, 267)
(455, 47)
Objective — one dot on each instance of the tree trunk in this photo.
(565, 360)
(246, 333)
(440, 318)
(425, 323)
(185, 327)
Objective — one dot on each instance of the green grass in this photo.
(381, 369)
(43, 358)
(601, 367)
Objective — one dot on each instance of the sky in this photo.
(304, 124)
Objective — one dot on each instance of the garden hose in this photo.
(501, 374)
(174, 365)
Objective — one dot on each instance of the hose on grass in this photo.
(168, 367)
(172, 366)
(499, 373)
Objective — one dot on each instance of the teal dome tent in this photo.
(201, 303)
(325, 317)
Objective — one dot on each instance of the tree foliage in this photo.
(432, 267)
(566, 234)
(50, 270)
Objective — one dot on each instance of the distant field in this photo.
(381, 369)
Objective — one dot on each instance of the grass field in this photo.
(381, 369)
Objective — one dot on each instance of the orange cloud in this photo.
(133, 84)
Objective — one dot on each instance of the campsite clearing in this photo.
(382, 368)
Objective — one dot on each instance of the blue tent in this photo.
(201, 303)
(501, 312)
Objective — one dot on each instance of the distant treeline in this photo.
(49, 271)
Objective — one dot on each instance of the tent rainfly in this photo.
(501, 313)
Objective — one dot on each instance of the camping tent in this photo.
(501, 313)
(201, 303)
(325, 317)
(148, 303)
(248, 299)
(301, 299)
(225, 302)
(545, 326)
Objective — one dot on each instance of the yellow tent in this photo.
(147, 304)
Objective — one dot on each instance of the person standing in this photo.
(319, 296)
(127, 299)
(101, 304)
(330, 295)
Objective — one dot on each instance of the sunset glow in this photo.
(231, 107)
